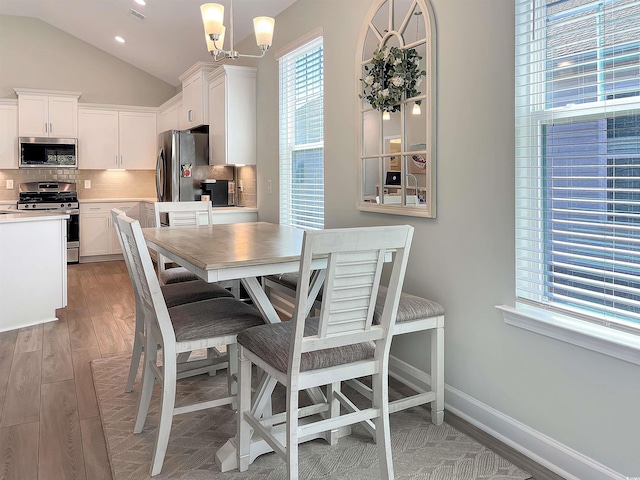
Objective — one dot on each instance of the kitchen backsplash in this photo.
(122, 184)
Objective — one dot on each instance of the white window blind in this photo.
(302, 136)
(578, 158)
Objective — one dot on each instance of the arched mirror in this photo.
(395, 68)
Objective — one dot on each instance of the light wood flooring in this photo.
(49, 423)
(50, 427)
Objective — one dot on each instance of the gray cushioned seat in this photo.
(410, 307)
(213, 318)
(271, 343)
(187, 292)
(177, 275)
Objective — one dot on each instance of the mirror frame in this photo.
(428, 101)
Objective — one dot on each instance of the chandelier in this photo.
(214, 29)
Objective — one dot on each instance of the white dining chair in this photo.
(174, 295)
(184, 328)
(341, 344)
(179, 214)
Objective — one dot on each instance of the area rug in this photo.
(421, 450)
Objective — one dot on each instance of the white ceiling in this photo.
(165, 44)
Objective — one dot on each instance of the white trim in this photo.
(39, 91)
(608, 341)
(128, 108)
(557, 457)
(306, 38)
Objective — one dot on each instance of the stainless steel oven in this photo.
(58, 196)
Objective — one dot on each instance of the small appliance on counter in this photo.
(221, 192)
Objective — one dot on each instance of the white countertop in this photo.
(153, 200)
(18, 216)
(116, 200)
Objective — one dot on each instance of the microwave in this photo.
(48, 152)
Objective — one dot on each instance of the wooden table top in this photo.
(214, 247)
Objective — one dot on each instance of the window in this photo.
(302, 136)
(578, 158)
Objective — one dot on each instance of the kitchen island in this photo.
(33, 267)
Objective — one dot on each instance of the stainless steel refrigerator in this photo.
(181, 153)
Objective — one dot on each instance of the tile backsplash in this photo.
(122, 184)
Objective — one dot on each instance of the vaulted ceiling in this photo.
(168, 41)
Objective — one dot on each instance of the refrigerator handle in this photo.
(160, 176)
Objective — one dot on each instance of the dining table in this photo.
(245, 252)
(237, 251)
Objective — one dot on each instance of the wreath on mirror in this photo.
(392, 75)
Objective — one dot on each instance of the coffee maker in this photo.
(218, 191)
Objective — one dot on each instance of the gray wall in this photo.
(34, 54)
(464, 259)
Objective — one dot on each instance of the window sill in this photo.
(621, 345)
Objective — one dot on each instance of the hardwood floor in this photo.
(49, 423)
(50, 427)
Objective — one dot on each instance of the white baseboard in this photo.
(546, 451)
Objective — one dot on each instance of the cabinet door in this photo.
(137, 133)
(33, 115)
(97, 139)
(95, 235)
(241, 119)
(9, 136)
(232, 117)
(168, 120)
(192, 102)
(217, 120)
(63, 117)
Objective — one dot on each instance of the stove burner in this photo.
(48, 196)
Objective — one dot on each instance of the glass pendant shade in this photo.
(416, 109)
(263, 27)
(212, 18)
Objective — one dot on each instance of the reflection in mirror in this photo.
(371, 179)
(397, 128)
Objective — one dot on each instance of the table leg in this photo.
(260, 299)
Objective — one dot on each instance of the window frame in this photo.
(622, 341)
(287, 146)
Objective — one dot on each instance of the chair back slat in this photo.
(356, 258)
(183, 213)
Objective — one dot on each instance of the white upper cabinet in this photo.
(8, 136)
(138, 140)
(170, 114)
(116, 139)
(232, 115)
(52, 114)
(98, 139)
(195, 96)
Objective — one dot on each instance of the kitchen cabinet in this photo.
(116, 139)
(33, 277)
(43, 115)
(195, 93)
(9, 149)
(170, 114)
(97, 233)
(232, 115)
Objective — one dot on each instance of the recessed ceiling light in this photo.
(119, 39)
(141, 2)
